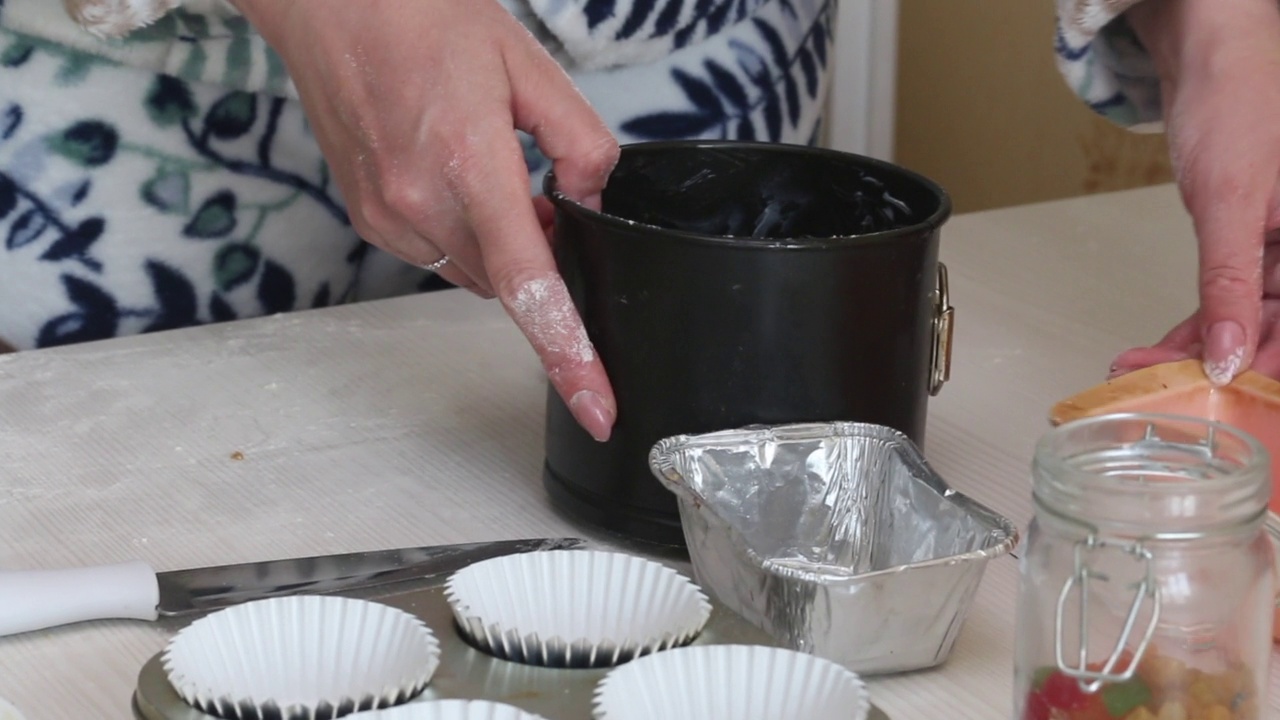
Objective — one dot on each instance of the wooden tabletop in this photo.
(419, 420)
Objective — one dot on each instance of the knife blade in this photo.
(39, 599)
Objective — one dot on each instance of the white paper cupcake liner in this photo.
(449, 710)
(575, 608)
(731, 682)
(9, 712)
(301, 658)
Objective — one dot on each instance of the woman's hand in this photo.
(415, 106)
(1219, 63)
(1184, 341)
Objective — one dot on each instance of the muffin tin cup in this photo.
(449, 710)
(301, 658)
(731, 682)
(575, 608)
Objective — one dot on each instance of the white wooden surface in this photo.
(419, 420)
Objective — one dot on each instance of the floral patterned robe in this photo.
(167, 178)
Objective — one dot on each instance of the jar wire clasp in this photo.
(1145, 588)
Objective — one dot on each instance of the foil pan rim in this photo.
(1008, 538)
(1002, 536)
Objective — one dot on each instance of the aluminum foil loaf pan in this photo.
(836, 538)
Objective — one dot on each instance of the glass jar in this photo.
(1147, 580)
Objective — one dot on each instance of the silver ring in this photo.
(434, 266)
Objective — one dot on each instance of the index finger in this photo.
(494, 189)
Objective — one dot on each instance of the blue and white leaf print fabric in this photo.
(170, 179)
(1104, 63)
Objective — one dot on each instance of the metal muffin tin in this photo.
(468, 673)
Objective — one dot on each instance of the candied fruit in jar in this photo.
(1247, 709)
(1238, 681)
(1216, 712)
(1161, 687)
(1123, 698)
(1162, 673)
(1092, 708)
(1037, 708)
(1183, 693)
(1207, 690)
(1063, 692)
(1172, 710)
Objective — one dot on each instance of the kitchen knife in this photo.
(37, 599)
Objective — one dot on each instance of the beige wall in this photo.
(983, 111)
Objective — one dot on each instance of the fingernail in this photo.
(1116, 372)
(1223, 351)
(593, 201)
(593, 414)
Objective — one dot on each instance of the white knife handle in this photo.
(38, 599)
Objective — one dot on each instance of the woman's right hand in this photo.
(1184, 342)
(1219, 63)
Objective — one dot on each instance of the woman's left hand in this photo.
(415, 106)
(1183, 341)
